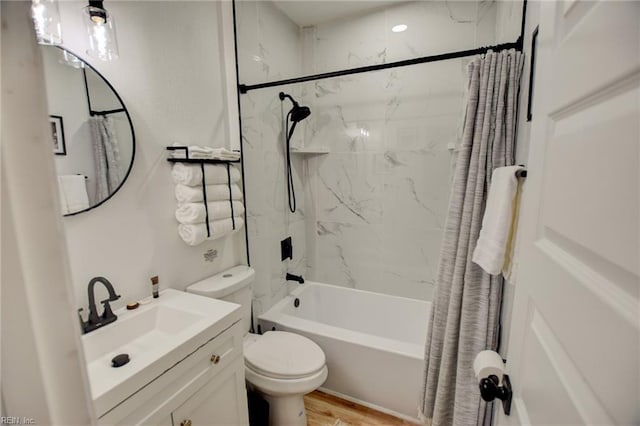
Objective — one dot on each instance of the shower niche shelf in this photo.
(311, 150)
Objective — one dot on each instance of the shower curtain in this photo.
(106, 151)
(466, 305)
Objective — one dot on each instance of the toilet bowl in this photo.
(281, 366)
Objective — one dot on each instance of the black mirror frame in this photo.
(133, 135)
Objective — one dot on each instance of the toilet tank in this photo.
(232, 285)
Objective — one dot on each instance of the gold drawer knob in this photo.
(185, 423)
(214, 359)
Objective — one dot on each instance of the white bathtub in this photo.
(374, 343)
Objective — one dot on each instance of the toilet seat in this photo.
(284, 355)
(285, 387)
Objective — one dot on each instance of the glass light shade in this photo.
(71, 60)
(101, 29)
(46, 20)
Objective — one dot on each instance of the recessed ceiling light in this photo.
(399, 28)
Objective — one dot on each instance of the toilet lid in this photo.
(283, 355)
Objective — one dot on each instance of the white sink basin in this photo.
(156, 336)
(135, 334)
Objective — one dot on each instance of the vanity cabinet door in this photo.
(222, 401)
(154, 404)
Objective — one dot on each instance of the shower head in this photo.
(298, 113)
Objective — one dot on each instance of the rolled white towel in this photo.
(197, 234)
(206, 152)
(192, 213)
(193, 194)
(191, 174)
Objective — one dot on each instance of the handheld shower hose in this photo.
(295, 115)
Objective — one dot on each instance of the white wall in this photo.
(169, 76)
(508, 20)
(42, 364)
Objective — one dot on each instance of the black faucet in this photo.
(94, 321)
(291, 277)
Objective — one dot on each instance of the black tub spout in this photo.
(291, 277)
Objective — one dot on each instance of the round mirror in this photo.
(91, 130)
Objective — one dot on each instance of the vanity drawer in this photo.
(156, 400)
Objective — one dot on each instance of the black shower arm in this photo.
(283, 95)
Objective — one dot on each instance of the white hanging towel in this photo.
(72, 190)
(194, 235)
(499, 215)
(206, 152)
(191, 174)
(192, 213)
(193, 194)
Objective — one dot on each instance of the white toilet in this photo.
(281, 366)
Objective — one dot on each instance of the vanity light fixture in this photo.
(101, 29)
(46, 20)
(399, 28)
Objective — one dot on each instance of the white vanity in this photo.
(186, 364)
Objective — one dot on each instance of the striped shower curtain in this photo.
(466, 305)
(106, 152)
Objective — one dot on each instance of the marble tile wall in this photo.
(372, 211)
(268, 42)
(382, 192)
(433, 27)
(269, 46)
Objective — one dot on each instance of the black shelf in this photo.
(202, 162)
(186, 158)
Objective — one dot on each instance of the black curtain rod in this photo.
(243, 88)
(106, 112)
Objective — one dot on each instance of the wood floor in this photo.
(327, 410)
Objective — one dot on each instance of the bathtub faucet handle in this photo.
(291, 277)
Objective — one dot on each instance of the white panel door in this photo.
(575, 333)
